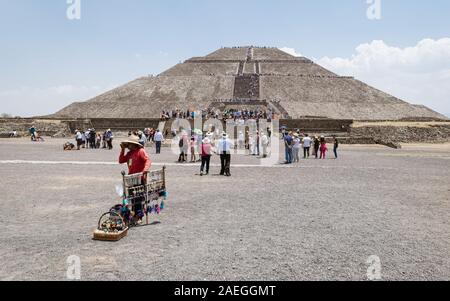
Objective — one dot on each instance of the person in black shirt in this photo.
(316, 146)
(336, 146)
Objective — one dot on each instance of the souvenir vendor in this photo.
(136, 158)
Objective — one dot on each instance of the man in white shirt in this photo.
(159, 138)
(307, 141)
(241, 140)
(78, 138)
(264, 144)
(87, 136)
(224, 147)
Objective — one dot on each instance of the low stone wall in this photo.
(426, 133)
(45, 127)
(115, 124)
(52, 126)
(318, 125)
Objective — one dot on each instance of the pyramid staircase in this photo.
(246, 87)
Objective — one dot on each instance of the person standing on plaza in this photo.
(198, 143)
(78, 138)
(92, 138)
(288, 144)
(184, 146)
(241, 140)
(335, 148)
(32, 132)
(206, 153)
(251, 145)
(306, 146)
(316, 147)
(269, 133)
(104, 143)
(87, 134)
(159, 139)
(137, 160)
(296, 148)
(98, 141)
(323, 147)
(83, 138)
(224, 147)
(109, 139)
(193, 146)
(264, 144)
(258, 143)
(142, 138)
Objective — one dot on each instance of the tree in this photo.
(6, 115)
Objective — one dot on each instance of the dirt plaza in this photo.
(316, 220)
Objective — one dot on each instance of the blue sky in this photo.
(48, 61)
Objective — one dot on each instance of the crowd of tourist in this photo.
(90, 139)
(189, 114)
(201, 148)
(312, 146)
(236, 114)
(149, 135)
(246, 114)
(198, 146)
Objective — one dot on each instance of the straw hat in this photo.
(206, 141)
(133, 140)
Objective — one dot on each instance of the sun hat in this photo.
(133, 140)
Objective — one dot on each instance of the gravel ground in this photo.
(318, 220)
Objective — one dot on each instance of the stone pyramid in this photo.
(294, 87)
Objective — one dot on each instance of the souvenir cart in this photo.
(144, 194)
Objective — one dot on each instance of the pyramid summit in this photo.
(293, 87)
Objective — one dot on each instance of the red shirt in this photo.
(137, 160)
(206, 150)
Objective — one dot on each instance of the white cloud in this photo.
(419, 74)
(28, 101)
(163, 53)
(290, 51)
